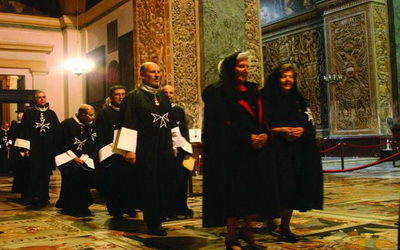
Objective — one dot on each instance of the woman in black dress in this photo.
(298, 158)
(235, 144)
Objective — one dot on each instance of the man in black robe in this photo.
(35, 141)
(145, 140)
(76, 156)
(21, 177)
(5, 148)
(114, 176)
(179, 208)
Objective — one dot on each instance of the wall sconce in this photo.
(333, 78)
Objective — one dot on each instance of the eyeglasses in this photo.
(90, 115)
(40, 97)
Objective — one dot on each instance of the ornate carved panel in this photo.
(352, 100)
(152, 36)
(252, 31)
(305, 50)
(382, 75)
(186, 61)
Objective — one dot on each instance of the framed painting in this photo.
(96, 80)
(112, 36)
(277, 10)
(125, 56)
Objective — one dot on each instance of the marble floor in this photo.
(360, 212)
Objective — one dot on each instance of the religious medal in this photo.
(156, 101)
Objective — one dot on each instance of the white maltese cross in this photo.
(93, 135)
(163, 119)
(310, 116)
(79, 143)
(43, 126)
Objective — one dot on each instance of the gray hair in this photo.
(246, 55)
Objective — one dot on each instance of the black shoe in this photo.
(290, 238)
(67, 211)
(230, 244)
(82, 212)
(247, 236)
(157, 230)
(43, 203)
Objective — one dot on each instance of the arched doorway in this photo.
(113, 74)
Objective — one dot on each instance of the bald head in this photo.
(86, 113)
(5, 125)
(169, 90)
(150, 74)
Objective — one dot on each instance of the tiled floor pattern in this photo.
(360, 211)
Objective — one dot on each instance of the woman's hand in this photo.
(258, 141)
(295, 133)
(290, 133)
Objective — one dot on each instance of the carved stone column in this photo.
(185, 30)
(226, 30)
(357, 47)
(167, 32)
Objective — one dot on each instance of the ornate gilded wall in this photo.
(167, 32)
(188, 38)
(252, 36)
(152, 38)
(304, 48)
(358, 50)
(186, 55)
(382, 65)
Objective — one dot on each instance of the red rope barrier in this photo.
(329, 149)
(363, 166)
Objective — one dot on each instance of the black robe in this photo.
(75, 139)
(299, 161)
(5, 150)
(21, 169)
(179, 184)
(238, 180)
(146, 130)
(114, 176)
(37, 134)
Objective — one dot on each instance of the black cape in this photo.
(37, 134)
(238, 179)
(115, 179)
(179, 184)
(148, 126)
(74, 140)
(299, 161)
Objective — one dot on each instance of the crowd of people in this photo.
(260, 158)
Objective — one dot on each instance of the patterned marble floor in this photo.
(360, 211)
